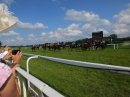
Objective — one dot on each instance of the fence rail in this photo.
(29, 81)
(114, 45)
(45, 90)
(106, 67)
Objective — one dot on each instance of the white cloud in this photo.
(10, 41)
(62, 34)
(63, 8)
(104, 32)
(121, 28)
(8, 2)
(104, 22)
(32, 38)
(123, 16)
(43, 33)
(10, 33)
(71, 30)
(129, 5)
(86, 17)
(81, 16)
(30, 26)
(123, 22)
(54, 0)
(88, 28)
(19, 38)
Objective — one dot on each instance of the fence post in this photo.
(27, 68)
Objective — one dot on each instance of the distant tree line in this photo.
(112, 37)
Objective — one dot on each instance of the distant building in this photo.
(97, 35)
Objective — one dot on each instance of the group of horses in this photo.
(89, 45)
(83, 46)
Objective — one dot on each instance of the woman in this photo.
(8, 85)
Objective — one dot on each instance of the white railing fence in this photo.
(114, 45)
(29, 82)
(29, 91)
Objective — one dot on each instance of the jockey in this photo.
(73, 42)
(76, 43)
(103, 40)
(58, 43)
(86, 41)
(52, 44)
(64, 43)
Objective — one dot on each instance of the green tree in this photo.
(113, 37)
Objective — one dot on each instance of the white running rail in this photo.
(115, 45)
(47, 91)
(111, 68)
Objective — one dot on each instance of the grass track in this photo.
(73, 81)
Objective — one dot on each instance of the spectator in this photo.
(3, 53)
(8, 81)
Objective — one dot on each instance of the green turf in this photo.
(73, 81)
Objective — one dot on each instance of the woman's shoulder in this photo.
(5, 72)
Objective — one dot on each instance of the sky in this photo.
(49, 21)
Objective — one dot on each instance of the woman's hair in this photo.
(0, 43)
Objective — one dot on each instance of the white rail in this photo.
(44, 89)
(115, 45)
(111, 68)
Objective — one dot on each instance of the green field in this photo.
(73, 81)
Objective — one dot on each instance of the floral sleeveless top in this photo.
(5, 72)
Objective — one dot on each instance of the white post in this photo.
(27, 67)
(24, 87)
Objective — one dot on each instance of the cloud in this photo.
(63, 8)
(129, 5)
(72, 30)
(81, 16)
(8, 2)
(32, 38)
(43, 33)
(123, 22)
(62, 34)
(19, 38)
(105, 32)
(88, 28)
(121, 28)
(30, 26)
(10, 33)
(86, 17)
(123, 16)
(54, 0)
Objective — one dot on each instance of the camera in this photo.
(14, 52)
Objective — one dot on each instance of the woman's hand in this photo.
(7, 56)
(6, 48)
(16, 58)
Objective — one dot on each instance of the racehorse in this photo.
(101, 45)
(73, 46)
(33, 48)
(63, 45)
(44, 47)
(55, 46)
(37, 47)
(86, 46)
